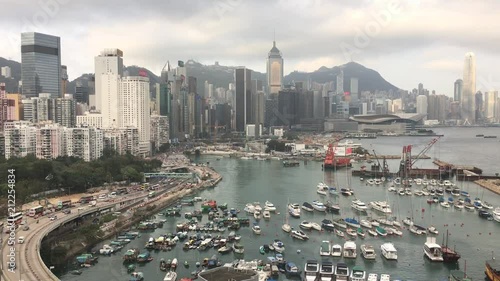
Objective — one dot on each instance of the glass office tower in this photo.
(41, 64)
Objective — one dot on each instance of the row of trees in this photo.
(73, 174)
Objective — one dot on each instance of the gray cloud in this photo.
(309, 33)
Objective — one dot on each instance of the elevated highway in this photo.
(29, 264)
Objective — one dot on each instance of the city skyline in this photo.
(404, 49)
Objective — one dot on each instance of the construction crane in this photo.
(384, 168)
(426, 148)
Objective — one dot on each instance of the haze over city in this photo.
(408, 42)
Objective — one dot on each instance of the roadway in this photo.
(29, 265)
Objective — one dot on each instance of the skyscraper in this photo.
(274, 70)
(490, 106)
(41, 64)
(468, 109)
(457, 90)
(108, 67)
(243, 79)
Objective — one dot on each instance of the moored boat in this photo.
(388, 251)
(359, 205)
(368, 252)
(432, 250)
(318, 206)
(358, 274)
(294, 210)
(337, 250)
(256, 229)
(326, 271)
(350, 251)
(298, 234)
(307, 207)
(311, 270)
(325, 249)
(381, 231)
(381, 206)
(269, 207)
(492, 270)
(170, 276)
(305, 225)
(327, 225)
(342, 272)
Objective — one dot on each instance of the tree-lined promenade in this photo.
(34, 176)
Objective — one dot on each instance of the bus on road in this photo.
(36, 211)
(16, 218)
(64, 204)
(86, 199)
(152, 194)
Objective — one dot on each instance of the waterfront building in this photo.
(40, 64)
(468, 110)
(490, 106)
(396, 123)
(275, 71)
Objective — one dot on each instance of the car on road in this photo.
(20, 240)
(26, 228)
(67, 211)
(53, 218)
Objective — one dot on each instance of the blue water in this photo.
(250, 180)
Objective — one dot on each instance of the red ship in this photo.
(449, 254)
(332, 162)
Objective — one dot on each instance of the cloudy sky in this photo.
(407, 41)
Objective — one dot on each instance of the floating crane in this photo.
(407, 162)
(332, 162)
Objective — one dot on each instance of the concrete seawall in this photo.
(492, 185)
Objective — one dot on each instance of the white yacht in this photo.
(311, 270)
(326, 271)
(368, 252)
(278, 246)
(359, 205)
(496, 214)
(342, 272)
(372, 277)
(381, 206)
(298, 234)
(325, 249)
(433, 250)
(318, 206)
(305, 225)
(294, 210)
(258, 208)
(171, 276)
(270, 207)
(321, 191)
(389, 251)
(286, 227)
(238, 248)
(365, 223)
(249, 208)
(350, 250)
(256, 229)
(315, 226)
(336, 250)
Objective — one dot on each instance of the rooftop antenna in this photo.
(274, 37)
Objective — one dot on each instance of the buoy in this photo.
(298, 251)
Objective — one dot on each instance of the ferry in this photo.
(311, 270)
(492, 270)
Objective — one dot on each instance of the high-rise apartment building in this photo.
(64, 80)
(274, 70)
(490, 106)
(134, 108)
(49, 142)
(457, 90)
(108, 69)
(65, 111)
(6, 72)
(20, 139)
(468, 98)
(41, 64)
(422, 104)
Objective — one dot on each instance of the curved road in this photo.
(29, 266)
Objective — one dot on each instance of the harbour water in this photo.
(257, 181)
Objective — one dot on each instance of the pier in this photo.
(457, 169)
(491, 185)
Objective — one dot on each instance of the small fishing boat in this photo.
(365, 223)
(225, 249)
(170, 276)
(385, 277)
(381, 231)
(433, 230)
(339, 233)
(487, 205)
(485, 215)
(266, 214)
(327, 225)
(257, 215)
(372, 232)
(360, 232)
(358, 274)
